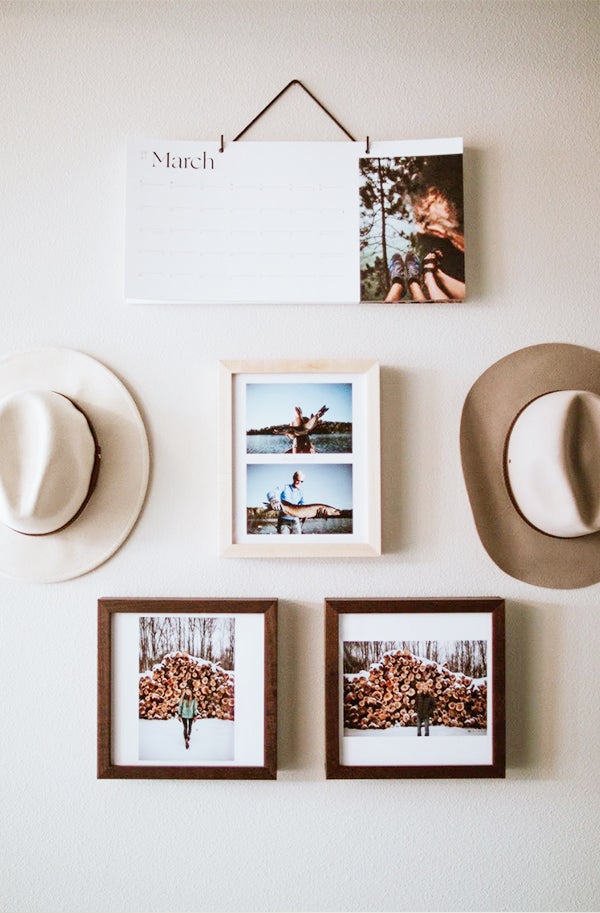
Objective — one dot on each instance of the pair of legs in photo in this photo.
(424, 281)
(187, 729)
(291, 525)
(424, 721)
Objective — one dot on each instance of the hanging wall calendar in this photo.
(294, 222)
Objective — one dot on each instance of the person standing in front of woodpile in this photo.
(424, 706)
(187, 711)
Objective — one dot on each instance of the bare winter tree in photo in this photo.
(382, 678)
(468, 657)
(177, 652)
(210, 638)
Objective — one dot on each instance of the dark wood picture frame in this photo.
(108, 609)
(334, 681)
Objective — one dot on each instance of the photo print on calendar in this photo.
(412, 242)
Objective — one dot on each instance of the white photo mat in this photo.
(238, 467)
(403, 751)
(249, 691)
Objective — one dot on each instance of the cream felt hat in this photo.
(530, 445)
(74, 464)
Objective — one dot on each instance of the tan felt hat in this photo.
(74, 464)
(530, 445)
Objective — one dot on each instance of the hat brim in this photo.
(116, 502)
(490, 408)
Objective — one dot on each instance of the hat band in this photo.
(93, 477)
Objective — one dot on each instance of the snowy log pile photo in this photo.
(161, 688)
(383, 695)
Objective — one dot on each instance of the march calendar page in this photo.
(294, 223)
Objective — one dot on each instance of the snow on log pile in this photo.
(385, 695)
(162, 687)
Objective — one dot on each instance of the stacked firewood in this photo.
(384, 696)
(162, 687)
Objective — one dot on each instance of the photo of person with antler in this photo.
(298, 418)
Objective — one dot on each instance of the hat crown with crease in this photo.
(553, 463)
(47, 459)
(530, 448)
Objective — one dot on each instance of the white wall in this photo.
(519, 81)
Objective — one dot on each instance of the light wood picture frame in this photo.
(397, 669)
(187, 688)
(299, 459)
